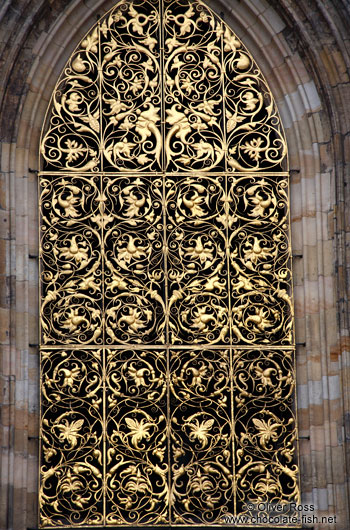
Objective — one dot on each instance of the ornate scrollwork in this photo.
(131, 90)
(196, 261)
(134, 261)
(126, 102)
(137, 454)
(193, 89)
(168, 381)
(265, 440)
(71, 432)
(71, 310)
(201, 435)
(260, 260)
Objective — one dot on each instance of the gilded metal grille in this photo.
(167, 357)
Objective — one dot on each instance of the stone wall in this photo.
(302, 47)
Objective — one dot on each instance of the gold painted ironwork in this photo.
(167, 357)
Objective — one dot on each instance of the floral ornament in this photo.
(74, 320)
(135, 204)
(201, 483)
(267, 485)
(264, 374)
(138, 374)
(253, 252)
(187, 85)
(92, 120)
(70, 375)
(137, 482)
(267, 431)
(71, 484)
(131, 251)
(121, 150)
(90, 43)
(200, 251)
(203, 318)
(260, 198)
(180, 126)
(74, 100)
(69, 431)
(146, 127)
(134, 319)
(198, 374)
(76, 251)
(254, 149)
(184, 21)
(232, 120)
(69, 200)
(194, 200)
(117, 110)
(137, 21)
(251, 101)
(73, 150)
(231, 42)
(199, 431)
(139, 430)
(260, 320)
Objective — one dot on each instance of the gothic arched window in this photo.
(167, 354)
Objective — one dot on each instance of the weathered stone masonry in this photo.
(302, 47)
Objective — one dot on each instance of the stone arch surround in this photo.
(302, 47)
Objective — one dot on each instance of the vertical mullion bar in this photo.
(104, 419)
(101, 206)
(101, 182)
(165, 247)
(162, 75)
(227, 214)
(162, 96)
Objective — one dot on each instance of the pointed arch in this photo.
(166, 314)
